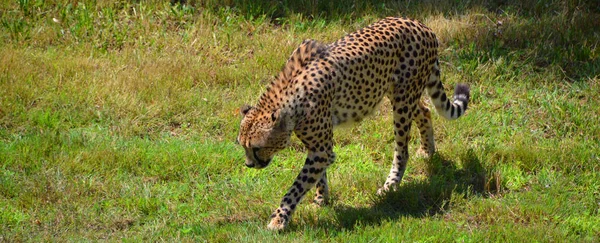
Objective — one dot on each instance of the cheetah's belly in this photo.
(354, 102)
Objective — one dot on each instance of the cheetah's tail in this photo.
(448, 109)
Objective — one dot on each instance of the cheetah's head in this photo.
(262, 134)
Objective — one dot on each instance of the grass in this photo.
(117, 122)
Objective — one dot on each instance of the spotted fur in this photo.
(323, 86)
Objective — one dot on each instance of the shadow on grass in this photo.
(352, 9)
(423, 199)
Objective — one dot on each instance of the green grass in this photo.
(118, 121)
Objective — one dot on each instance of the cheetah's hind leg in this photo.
(424, 123)
(322, 192)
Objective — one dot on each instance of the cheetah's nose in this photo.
(251, 165)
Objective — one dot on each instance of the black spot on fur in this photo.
(462, 89)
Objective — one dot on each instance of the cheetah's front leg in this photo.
(314, 168)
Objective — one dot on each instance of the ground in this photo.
(118, 121)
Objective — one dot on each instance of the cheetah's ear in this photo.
(244, 110)
(282, 120)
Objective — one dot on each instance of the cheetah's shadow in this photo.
(423, 198)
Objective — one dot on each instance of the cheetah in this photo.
(326, 85)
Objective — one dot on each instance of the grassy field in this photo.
(118, 121)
